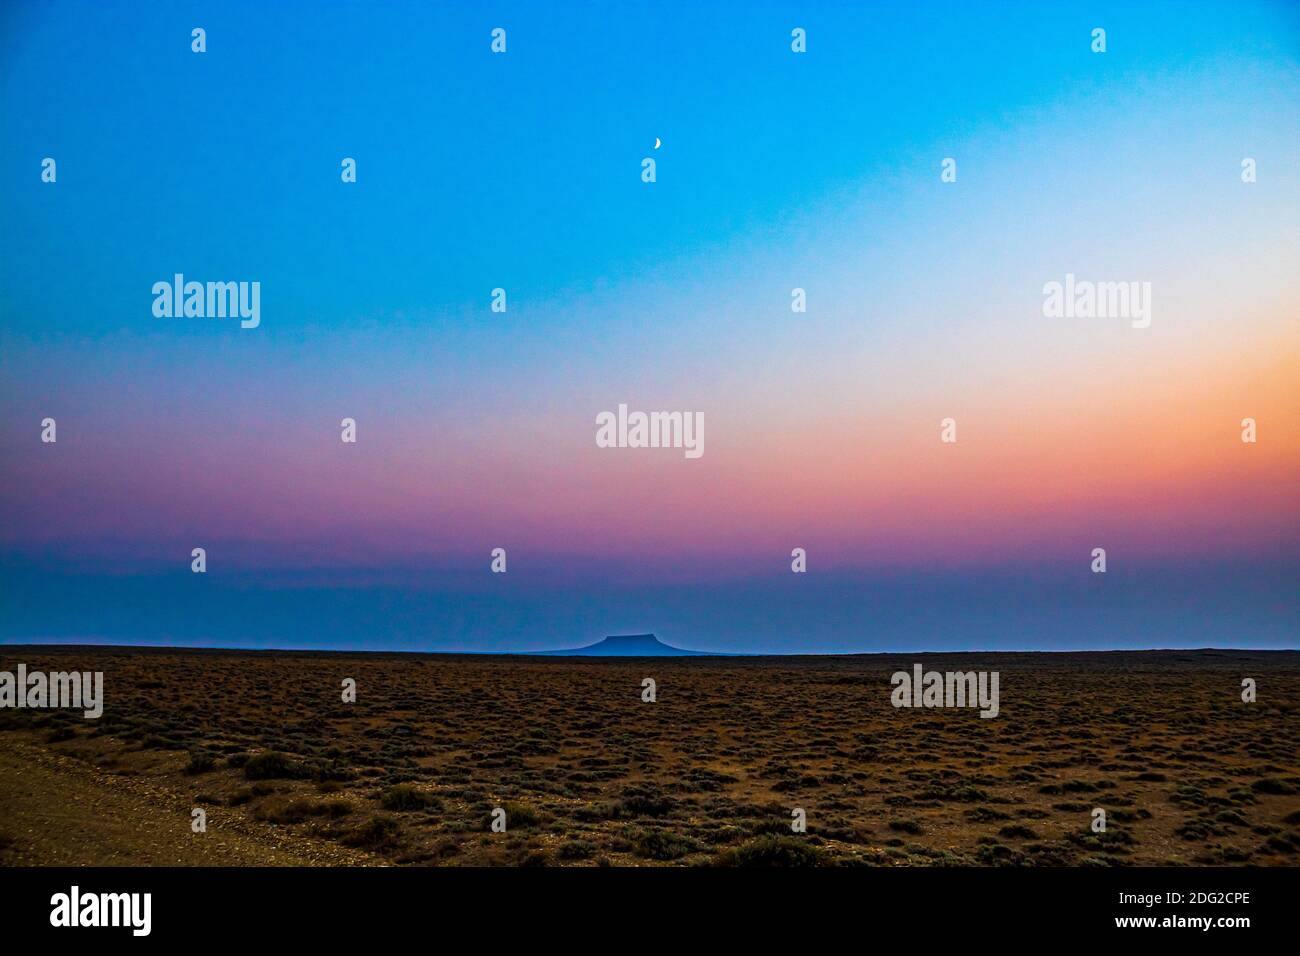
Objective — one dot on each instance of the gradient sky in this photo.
(476, 429)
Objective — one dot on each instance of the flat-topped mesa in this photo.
(632, 643)
(626, 645)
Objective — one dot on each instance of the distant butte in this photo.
(626, 645)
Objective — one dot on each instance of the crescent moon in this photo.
(656, 142)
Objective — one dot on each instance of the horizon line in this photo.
(690, 654)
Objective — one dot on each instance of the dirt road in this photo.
(58, 811)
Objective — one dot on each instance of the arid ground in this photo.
(709, 773)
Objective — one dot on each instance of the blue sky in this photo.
(521, 171)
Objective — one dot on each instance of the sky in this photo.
(777, 170)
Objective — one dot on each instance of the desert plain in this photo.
(713, 772)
